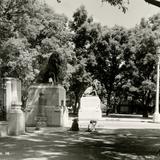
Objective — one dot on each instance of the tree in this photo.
(16, 54)
(106, 59)
(32, 28)
(154, 2)
(30, 33)
(79, 81)
(141, 78)
(84, 33)
(122, 4)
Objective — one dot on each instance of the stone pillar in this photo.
(8, 96)
(16, 121)
(156, 115)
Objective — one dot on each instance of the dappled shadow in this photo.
(60, 144)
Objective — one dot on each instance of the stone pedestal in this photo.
(16, 120)
(90, 108)
(52, 102)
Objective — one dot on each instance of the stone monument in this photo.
(51, 103)
(90, 108)
(15, 116)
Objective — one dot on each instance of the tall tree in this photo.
(106, 59)
(141, 84)
(85, 32)
(31, 32)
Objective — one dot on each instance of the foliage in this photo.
(37, 44)
(122, 4)
(30, 33)
(122, 60)
(140, 80)
(32, 36)
(106, 59)
(83, 35)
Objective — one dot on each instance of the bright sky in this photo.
(104, 13)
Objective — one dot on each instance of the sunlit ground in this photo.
(60, 144)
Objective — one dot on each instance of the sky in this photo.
(106, 14)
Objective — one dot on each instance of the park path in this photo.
(117, 140)
(121, 121)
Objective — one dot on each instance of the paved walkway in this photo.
(122, 121)
(116, 140)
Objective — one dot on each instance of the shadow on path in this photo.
(65, 145)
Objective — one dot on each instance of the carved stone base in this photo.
(41, 122)
(16, 121)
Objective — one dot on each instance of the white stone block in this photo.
(90, 108)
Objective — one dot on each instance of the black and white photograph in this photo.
(79, 79)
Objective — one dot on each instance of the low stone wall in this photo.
(3, 128)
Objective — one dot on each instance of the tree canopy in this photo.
(37, 44)
(122, 4)
(122, 60)
(30, 33)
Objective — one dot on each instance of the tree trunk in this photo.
(108, 107)
(74, 108)
(146, 103)
(145, 111)
(76, 105)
